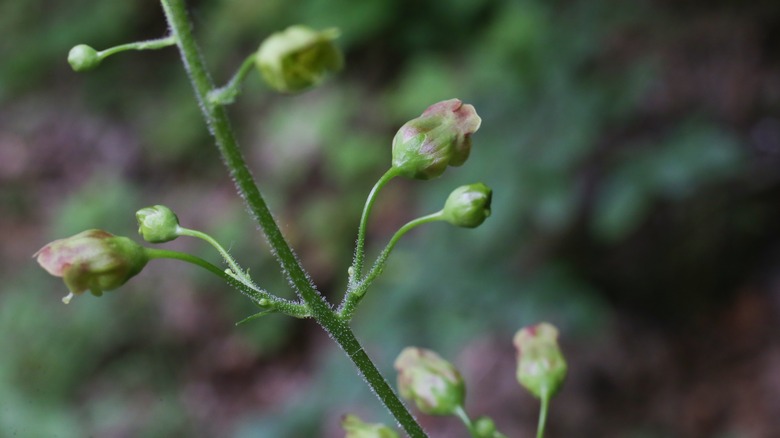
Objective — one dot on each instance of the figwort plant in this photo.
(290, 61)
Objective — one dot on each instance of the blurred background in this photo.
(634, 153)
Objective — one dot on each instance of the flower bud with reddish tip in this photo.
(298, 58)
(93, 260)
(356, 428)
(541, 368)
(157, 224)
(434, 384)
(440, 137)
(468, 206)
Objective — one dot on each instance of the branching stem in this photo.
(227, 94)
(219, 125)
(258, 296)
(356, 293)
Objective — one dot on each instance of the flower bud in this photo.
(157, 224)
(83, 58)
(541, 368)
(298, 58)
(92, 260)
(431, 382)
(485, 427)
(440, 137)
(356, 428)
(468, 206)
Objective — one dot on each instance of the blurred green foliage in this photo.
(570, 143)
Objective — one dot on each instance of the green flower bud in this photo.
(485, 427)
(468, 206)
(356, 428)
(541, 368)
(92, 260)
(434, 384)
(83, 58)
(298, 58)
(157, 224)
(440, 137)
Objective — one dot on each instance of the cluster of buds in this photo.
(98, 261)
(437, 388)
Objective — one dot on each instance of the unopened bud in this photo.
(298, 58)
(468, 206)
(541, 368)
(434, 384)
(83, 58)
(157, 224)
(485, 427)
(93, 260)
(356, 428)
(440, 137)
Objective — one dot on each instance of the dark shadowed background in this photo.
(634, 153)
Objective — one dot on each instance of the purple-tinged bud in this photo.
(157, 224)
(468, 206)
(434, 384)
(298, 58)
(83, 58)
(356, 428)
(541, 368)
(93, 260)
(440, 137)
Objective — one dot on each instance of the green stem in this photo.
(240, 273)
(358, 290)
(158, 43)
(226, 94)
(218, 123)
(542, 416)
(461, 413)
(258, 296)
(357, 265)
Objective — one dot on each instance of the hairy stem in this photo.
(217, 120)
(237, 270)
(226, 94)
(258, 296)
(357, 265)
(358, 289)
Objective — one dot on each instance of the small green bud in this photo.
(440, 137)
(356, 428)
(485, 427)
(468, 206)
(157, 224)
(93, 260)
(83, 58)
(541, 368)
(298, 58)
(434, 384)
